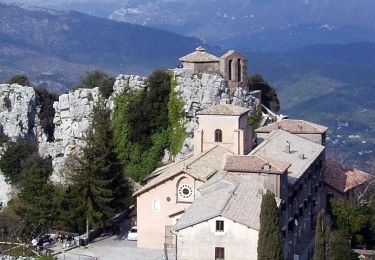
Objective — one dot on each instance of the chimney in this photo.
(302, 156)
(266, 167)
(287, 147)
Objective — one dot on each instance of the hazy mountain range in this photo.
(269, 25)
(332, 83)
(42, 42)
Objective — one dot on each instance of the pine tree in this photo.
(38, 198)
(337, 246)
(98, 181)
(320, 237)
(270, 244)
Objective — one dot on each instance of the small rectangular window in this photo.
(219, 253)
(219, 226)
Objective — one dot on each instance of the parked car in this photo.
(133, 234)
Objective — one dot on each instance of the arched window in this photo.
(230, 69)
(239, 72)
(155, 205)
(218, 136)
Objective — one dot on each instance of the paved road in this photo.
(113, 248)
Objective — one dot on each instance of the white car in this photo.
(132, 234)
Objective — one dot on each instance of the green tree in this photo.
(141, 126)
(320, 237)
(268, 96)
(354, 220)
(270, 243)
(10, 162)
(338, 246)
(19, 79)
(98, 182)
(38, 198)
(97, 78)
(47, 112)
(11, 225)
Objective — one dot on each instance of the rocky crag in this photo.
(19, 108)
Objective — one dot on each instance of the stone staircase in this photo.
(305, 247)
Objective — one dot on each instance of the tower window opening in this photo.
(239, 72)
(230, 69)
(218, 136)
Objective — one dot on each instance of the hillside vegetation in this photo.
(147, 122)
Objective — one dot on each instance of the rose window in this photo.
(185, 191)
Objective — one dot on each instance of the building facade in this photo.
(232, 66)
(208, 204)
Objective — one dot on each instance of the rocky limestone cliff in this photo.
(18, 119)
(19, 110)
(72, 119)
(199, 91)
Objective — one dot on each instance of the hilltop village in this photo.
(207, 205)
(205, 201)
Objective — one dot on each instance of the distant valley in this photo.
(331, 83)
(62, 45)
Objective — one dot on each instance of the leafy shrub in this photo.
(176, 119)
(268, 96)
(3, 137)
(11, 161)
(140, 124)
(47, 112)
(97, 78)
(19, 79)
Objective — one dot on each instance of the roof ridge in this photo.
(200, 156)
(312, 124)
(232, 194)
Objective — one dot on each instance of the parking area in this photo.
(116, 247)
(112, 248)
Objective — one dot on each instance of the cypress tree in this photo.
(270, 244)
(320, 237)
(337, 246)
(98, 180)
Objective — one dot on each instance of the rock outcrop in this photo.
(18, 117)
(199, 91)
(5, 191)
(72, 119)
(19, 110)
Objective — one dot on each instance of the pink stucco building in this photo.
(170, 190)
(207, 205)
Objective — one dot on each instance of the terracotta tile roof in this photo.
(224, 109)
(254, 164)
(231, 197)
(200, 55)
(294, 126)
(302, 152)
(200, 166)
(343, 179)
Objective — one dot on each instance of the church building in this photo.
(232, 65)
